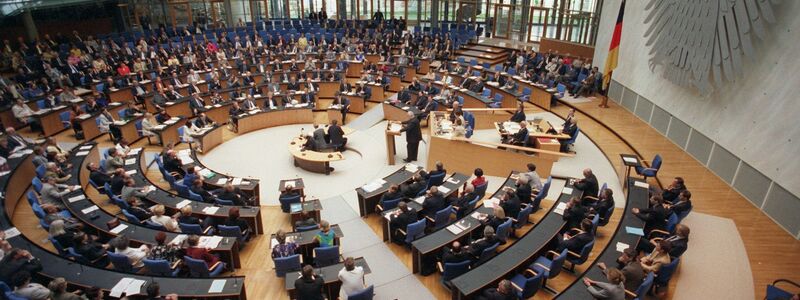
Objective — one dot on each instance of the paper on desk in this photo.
(634, 230)
(443, 189)
(119, 123)
(210, 242)
(453, 180)
(622, 246)
(222, 181)
(567, 190)
(89, 209)
(161, 127)
(237, 181)
(630, 160)
(205, 172)
(11, 232)
(560, 208)
(216, 286)
(120, 287)
(492, 202)
(183, 203)
(178, 239)
(87, 147)
(76, 198)
(479, 216)
(82, 153)
(641, 184)
(130, 172)
(411, 167)
(130, 161)
(454, 229)
(419, 199)
(119, 228)
(134, 151)
(210, 210)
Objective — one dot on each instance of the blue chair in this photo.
(470, 118)
(130, 217)
(561, 89)
(776, 293)
(571, 140)
(161, 267)
(287, 264)
(153, 225)
(119, 202)
(182, 190)
(550, 267)
(522, 218)
(481, 189)
(684, 213)
(579, 258)
(195, 229)
(306, 228)
(121, 263)
(442, 217)
(642, 289)
(435, 180)
(365, 294)
(96, 186)
(107, 189)
(9, 293)
(223, 202)
(652, 171)
(413, 231)
(40, 170)
(32, 198)
(385, 205)
(526, 287)
(194, 197)
(537, 201)
(37, 184)
(287, 201)
(234, 231)
(486, 93)
(526, 93)
(38, 211)
(605, 216)
(64, 117)
(453, 270)
(504, 230)
(488, 253)
(665, 273)
(199, 268)
(326, 256)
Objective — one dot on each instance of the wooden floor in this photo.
(772, 252)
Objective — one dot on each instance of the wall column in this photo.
(30, 26)
(434, 13)
(523, 30)
(229, 15)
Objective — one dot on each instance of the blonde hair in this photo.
(158, 210)
(615, 276)
(499, 212)
(186, 210)
(57, 228)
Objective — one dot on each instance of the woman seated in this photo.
(283, 249)
(199, 253)
(658, 258)
(162, 250)
(497, 218)
(135, 255)
(168, 222)
(60, 233)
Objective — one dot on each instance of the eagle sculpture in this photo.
(697, 41)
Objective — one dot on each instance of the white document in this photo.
(120, 287)
(491, 202)
(395, 127)
(237, 181)
(210, 242)
(12, 232)
(134, 151)
(567, 190)
(179, 239)
(89, 209)
(560, 208)
(629, 160)
(411, 167)
(216, 286)
(76, 198)
(210, 210)
(454, 229)
(130, 172)
(622, 246)
(641, 184)
(119, 228)
(183, 203)
(419, 199)
(81, 153)
(443, 189)
(87, 147)
(453, 180)
(222, 181)
(130, 161)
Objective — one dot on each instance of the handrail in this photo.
(527, 149)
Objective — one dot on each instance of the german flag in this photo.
(613, 49)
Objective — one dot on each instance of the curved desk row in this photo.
(518, 254)
(367, 199)
(83, 276)
(637, 198)
(138, 169)
(431, 244)
(82, 208)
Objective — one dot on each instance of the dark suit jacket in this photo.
(336, 134)
(309, 289)
(521, 136)
(511, 206)
(477, 247)
(524, 195)
(678, 247)
(493, 294)
(574, 216)
(576, 243)
(403, 219)
(449, 256)
(99, 178)
(116, 184)
(413, 131)
(207, 197)
(518, 117)
(588, 186)
(432, 204)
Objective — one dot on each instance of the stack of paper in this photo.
(622, 246)
(11, 232)
(129, 286)
(373, 185)
(479, 216)
(130, 172)
(134, 151)
(210, 210)
(119, 228)
(567, 190)
(443, 189)
(216, 286)
(419, 199)
(210, 242)
(560, 208)
(130, 161)
(411, 167)
(206, 173)
(86, 147)
(491, 202)
(641, 184)
(89, 209)
(80, 153)
(237, 181)
(222, 181)
(634, 230)
(454, 229)
(453, 180)
(179, 239)
(183, 203)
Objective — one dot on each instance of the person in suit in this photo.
(614, 289)
(588, 184)
(344, 87)
(679, 241)
(519, 114)
(99, 178)
(392, 194)
(186, 217)
(682, 204)
(231, 193)
(114, 160)
(196, 104)
(309, 286)
(574, 213)
(461, 203)
(497, 218)
(673, 190)
(52, 193)
(413, 137)
(18, 261)
(504, 291)
(455, 253)
(344, 104)
(569, 129)
(16, 140)
(203, 121)
(130, 190)
(510, 203)
(122, 246)
(575, 239)
(433, 202)
(655, 216)
(318, 136)
(523, 190)
(197, 188)
(658, 258)
(488, 240)
(235, 221)
(521, 137)
(628, 264)
(400, 220)
(23, 287)
(336, 135)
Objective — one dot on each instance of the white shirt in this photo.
(135, 255)
(22, 112)
(352, 281)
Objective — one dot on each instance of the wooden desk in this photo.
(354, 68)
(424, 66)
(219, 113)
(168, 134)
(51, 120)
(89, 124)
(411, 72)
(327, 89)
(128, 129)
(274, 118)
(334, 114)
(377, 92)
(313, 161)
(357, 104)
(394, 113)
(121, 95)
(179, 108)
(212, 138)
(394, 83)
(308, 209)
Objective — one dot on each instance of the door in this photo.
(502, 20)
(219, 15)
(537, 24)
(181, 13)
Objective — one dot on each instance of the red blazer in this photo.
(202, 253)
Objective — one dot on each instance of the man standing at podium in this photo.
(413, 136)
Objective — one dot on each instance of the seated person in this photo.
(678, 241)
(613, 289)
(400, 220)
(121, 245)
(575, 239)
(197, 188)
(186, 217)
(234, 194)
(588, 184)
(658, 258)
(138, 209)
(488, 240)
(325, 236)
(521, 137)
(170, 223)
(655, 217)
(196, 252)
(509, 202)
(455, 253)
(497, 218)
(234, 220)
(574, 213)
(629, 264)
(681, 205)
(163, 251)
(414, 186)
(461, 203)
(433, 202)
(504, 291)
(283, 248)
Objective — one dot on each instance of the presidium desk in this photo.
(460, 154)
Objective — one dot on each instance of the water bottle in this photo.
(301, 131)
